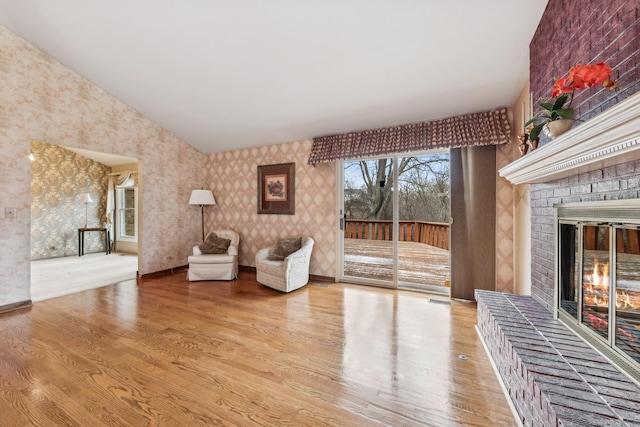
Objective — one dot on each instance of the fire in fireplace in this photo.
(598, 277)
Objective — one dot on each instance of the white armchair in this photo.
(287, 275)
(215, 266)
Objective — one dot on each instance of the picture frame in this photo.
(276, 189)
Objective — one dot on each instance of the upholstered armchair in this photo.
(288, 274)
(215, 266)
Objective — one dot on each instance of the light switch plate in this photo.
(10, 213)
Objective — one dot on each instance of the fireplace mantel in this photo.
(611, 138)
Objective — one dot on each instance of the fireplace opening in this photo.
(598, 277)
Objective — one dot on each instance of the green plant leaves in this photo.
(547, 106)
(535, 132)
(565, 113)
(560, 102)
(531, 120)
(549, 113)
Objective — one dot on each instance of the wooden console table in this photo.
(81, 232)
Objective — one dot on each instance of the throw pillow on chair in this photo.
(216, 258)
(281, 270)
(286, 247)
(215, 245)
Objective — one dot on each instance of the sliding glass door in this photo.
(367, 221)
(423, 225)
(395, 222)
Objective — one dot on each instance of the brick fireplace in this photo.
(552, 376)
(618, 182)
(533, 351)
(572, 32)
(597, 255)
(596, 161)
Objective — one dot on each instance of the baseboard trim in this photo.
(313, 277)
(15, 306)
(317, 278)
(247, 268)
(162, 273)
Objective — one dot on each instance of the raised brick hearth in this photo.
(552, 377)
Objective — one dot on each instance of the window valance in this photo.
(487, 128)
(126, 179)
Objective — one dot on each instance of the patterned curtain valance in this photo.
(489, 128)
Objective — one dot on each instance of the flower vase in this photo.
(558, 127)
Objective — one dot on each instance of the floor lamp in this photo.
(86, 199)
(202, 198)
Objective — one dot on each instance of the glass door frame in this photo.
(394, 283)
(341, 226)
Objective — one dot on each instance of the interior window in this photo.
(127, 213)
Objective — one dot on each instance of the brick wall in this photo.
(613, 183)
(570, 32)
(587, 31)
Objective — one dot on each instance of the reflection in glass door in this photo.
(395, 222)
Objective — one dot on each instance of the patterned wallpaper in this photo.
(504, 223)
(232, 176)
(520, 206)
(59, 180)
(43, 100)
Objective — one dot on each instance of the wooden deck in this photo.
(419, 264)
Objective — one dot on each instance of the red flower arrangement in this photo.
(584, 76)
(580, 77)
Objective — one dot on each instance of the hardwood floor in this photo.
(172, 353)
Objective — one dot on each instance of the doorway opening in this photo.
(394, 226)
(71, 250)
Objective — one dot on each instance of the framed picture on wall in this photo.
(276, 189)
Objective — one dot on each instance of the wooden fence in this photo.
(430, 233)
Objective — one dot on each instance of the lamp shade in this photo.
(202, 197)
(87, 198)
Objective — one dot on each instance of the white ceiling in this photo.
(224, 75)
(112, 160)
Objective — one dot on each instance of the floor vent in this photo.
(323, 285)
(439, 301)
